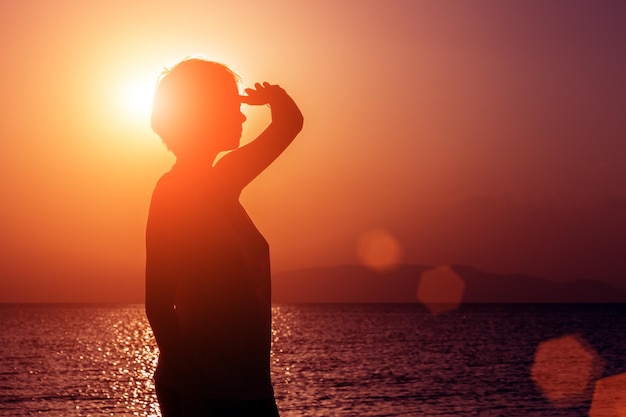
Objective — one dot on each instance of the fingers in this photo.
(262, 94)
(251, 98)
(255, 96)
(265, 87)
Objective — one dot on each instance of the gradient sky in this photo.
(483, 133)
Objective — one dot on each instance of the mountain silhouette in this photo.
(359, 284)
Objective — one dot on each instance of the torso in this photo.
(223, 296)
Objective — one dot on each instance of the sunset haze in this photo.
(489, 134)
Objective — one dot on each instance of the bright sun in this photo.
(132, 97)
(138, 99)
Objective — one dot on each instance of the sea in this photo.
(336, 360)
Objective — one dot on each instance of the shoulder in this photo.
(166, 185)
(172, 191)
(166, 200)
(189, 198)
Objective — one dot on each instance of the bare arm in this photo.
(160, 309)
(241, 166)
(161, 274)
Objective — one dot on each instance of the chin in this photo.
(229, 142)
(231, 146)
(236, 140)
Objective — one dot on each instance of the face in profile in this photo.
(217, 121)
(228, 122)
(197, 108)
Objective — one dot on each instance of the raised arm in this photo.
(242, 165)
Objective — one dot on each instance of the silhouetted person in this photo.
(207, 266)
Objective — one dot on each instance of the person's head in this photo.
(197, 108)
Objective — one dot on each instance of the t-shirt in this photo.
(222, 284)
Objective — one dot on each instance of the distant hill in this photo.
(359, 284)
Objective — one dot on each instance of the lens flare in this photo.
(379, 250)
(440, 289)
(565, 370)
(609, 397)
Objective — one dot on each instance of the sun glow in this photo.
(137, 98)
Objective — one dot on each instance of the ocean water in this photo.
(333, 360)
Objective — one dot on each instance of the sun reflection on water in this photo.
(343, 359)
(92, 362)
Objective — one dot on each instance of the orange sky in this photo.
(484, 133)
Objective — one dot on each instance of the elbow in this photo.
(299, 123)
(295, 121)
(288, 130)
(158, 314)
(151, 311)
(155, 309)
(296, 125)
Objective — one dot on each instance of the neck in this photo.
(197, 163)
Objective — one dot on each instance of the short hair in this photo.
(187, 93)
